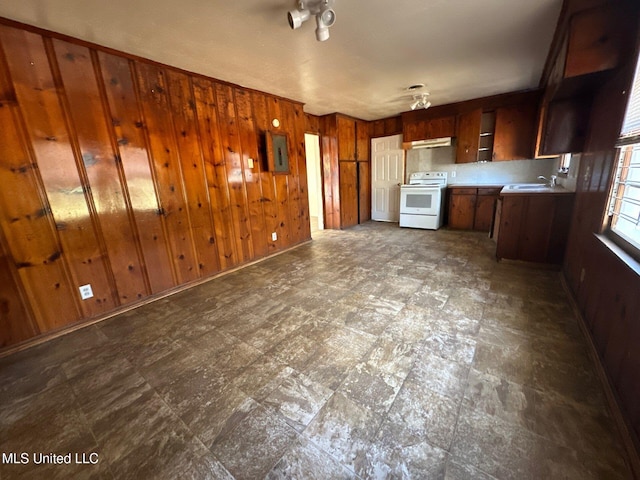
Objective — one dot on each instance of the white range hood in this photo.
(430, 143)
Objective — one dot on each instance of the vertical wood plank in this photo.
(274, 110)
(363, 140)
(296, 152)
(16, 322)
(215, 171)
(267, 182)
(364, 192)
(40, 105)
(166, 160)
(128, 128)
(346, 138)
(305, 222)
(252, 175)
(101, 166)
(183, 108)
(230, 143)
(33, 247)
(348, 194)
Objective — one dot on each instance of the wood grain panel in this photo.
(67, 195)
(331, 173)
(183, 108)
(32, 243)
(215, 171)
(348, 194)
(536, 228)
(7, 93)
(513, 210)
(364, 191)
(311, 123)
(274, 110)
(363, 141)
(386, 126)
(515, 132)
(296, 153)
(16, 322)
(252, 175)
(267, 182)
(163, 150)
(101, 165)
(468, 134)
(485, 206)
(128, 128)
(462, 208)
(231, 154)
(301, 179)
(346, 138)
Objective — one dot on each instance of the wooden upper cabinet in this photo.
(426, 129)
(514, 132)
(468, 136)
(595, 40)
(362, 141)
(346, 138)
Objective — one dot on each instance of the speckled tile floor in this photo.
(375, 352)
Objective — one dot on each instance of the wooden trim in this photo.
(630, 442)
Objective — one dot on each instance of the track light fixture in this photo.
(420, 101)
(321, 9)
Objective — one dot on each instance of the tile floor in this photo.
(375, 352)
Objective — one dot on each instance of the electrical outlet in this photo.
(453, 174)
(85, 291)
(274, 236)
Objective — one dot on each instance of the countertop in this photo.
(534, 189)
(475, 185)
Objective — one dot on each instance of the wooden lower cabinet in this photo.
(534, 228)
(472, 208)
(462, 207)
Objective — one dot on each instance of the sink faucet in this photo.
(552, 182)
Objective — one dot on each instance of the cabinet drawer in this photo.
(489, 191)
(464, 191)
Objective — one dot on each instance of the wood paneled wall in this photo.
(606, 288)
(130, 176)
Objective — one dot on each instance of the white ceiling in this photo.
(461, 49)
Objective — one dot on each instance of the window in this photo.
(624, 202)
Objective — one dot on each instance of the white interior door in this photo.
(387, 173)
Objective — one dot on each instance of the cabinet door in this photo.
(485, 207)
(362, 141)
(348, 194)
(468, 135)
(515, 130)
(597, 39)
(346, 138)
(462, 208)
(441, 127)
(426, 129)
(364, 192)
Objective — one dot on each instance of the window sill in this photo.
(626, 258)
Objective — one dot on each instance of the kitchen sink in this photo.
(527, 186)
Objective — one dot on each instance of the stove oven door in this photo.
(420, 200)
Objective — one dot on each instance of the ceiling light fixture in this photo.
(420, 101)
(321, 9)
